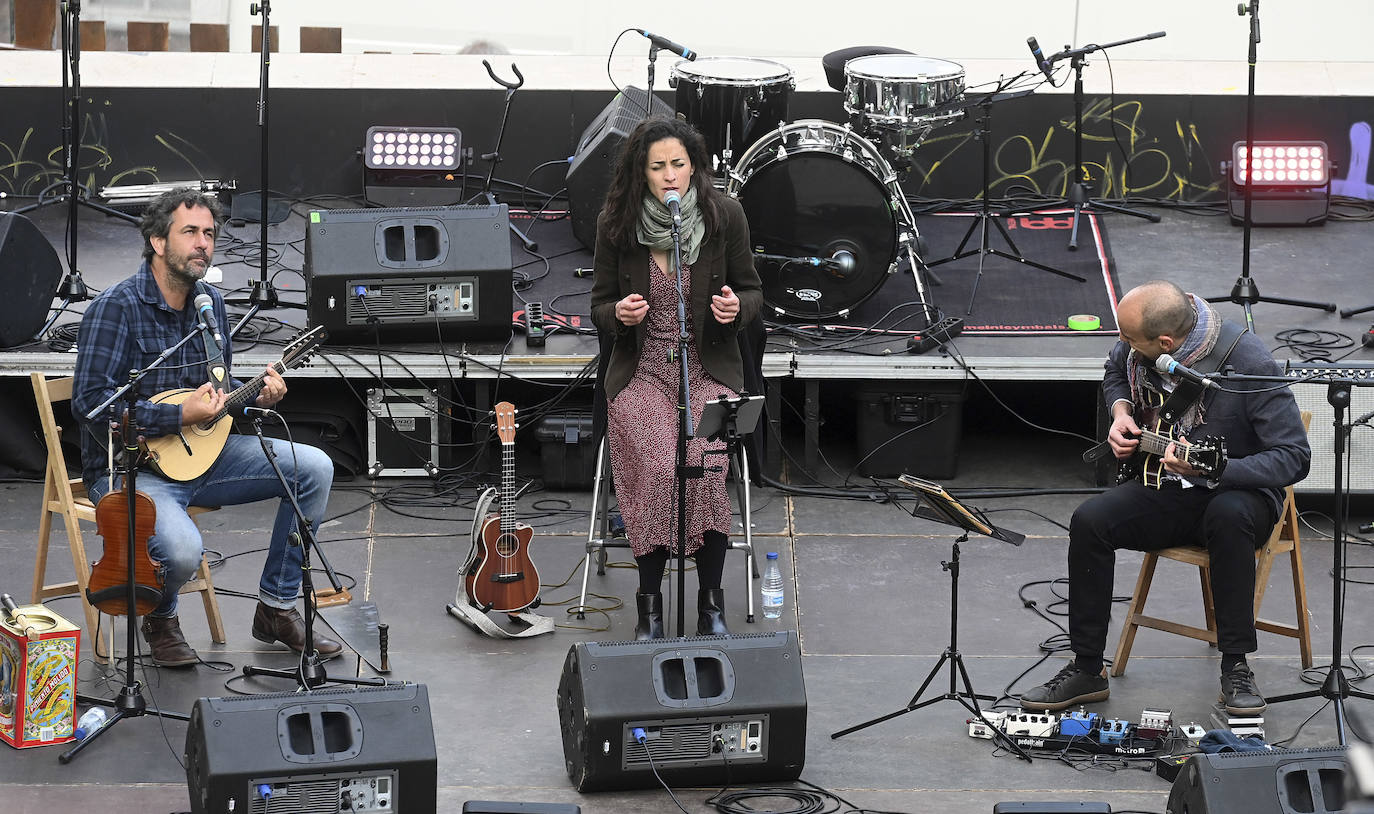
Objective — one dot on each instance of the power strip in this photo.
(936, 335)
(534, 324)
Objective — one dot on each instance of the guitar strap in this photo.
(1187, 392)
(216, 370)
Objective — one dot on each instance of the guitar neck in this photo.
(507, 487)
(1154, 443)
(241, 396)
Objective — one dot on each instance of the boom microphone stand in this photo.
(1080, 191)
(1245, 292)
(985, 214)
(73, 288)
(309, 673)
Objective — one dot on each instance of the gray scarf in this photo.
(655, 227)
(1196, 345)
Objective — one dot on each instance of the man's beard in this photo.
(184, 272)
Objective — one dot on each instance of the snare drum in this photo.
(901, 91)
(732, 100)
(814, 189)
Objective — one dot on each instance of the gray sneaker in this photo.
(1070, 686)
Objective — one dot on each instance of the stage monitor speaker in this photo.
(1358, 476)
(31, 273)
(495, 807)
(702, 711)
(1280, 781)
(426, 274)
(589, 172)
(323, 752)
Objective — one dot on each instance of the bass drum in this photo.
(822, 217)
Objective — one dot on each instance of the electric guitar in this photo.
(1207, 455)
(189, 452)
(501, 575)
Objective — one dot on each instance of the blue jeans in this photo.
(242, 474)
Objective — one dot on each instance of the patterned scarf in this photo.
(655, 227)
(1198, 343)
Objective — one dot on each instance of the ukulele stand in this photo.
(944, 508)
(309, 673)
(129, 703)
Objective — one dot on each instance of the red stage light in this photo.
(1291, 184)
(1282, 163)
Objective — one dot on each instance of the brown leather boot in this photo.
(288, 627)
(165, 642)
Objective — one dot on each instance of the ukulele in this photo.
(189, 452)
(502, 576)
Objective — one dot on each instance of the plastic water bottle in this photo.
(91, 720)
(773, 596)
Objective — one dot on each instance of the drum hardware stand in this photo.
(130, 702)
(73, 288)
(985, 215)
(944, 508)
(309, 673)
(494, 157)
(1245, 292)
(1079, 191)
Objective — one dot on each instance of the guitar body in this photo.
(202, 445)
(503, 577)
(107, 589)
(499, 574)
(1207, 455)
(192, 450)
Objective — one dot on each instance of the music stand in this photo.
(942, 507)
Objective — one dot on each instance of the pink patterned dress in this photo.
(642, 429)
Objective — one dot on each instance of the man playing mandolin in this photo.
(1229, 507)
(126, 328)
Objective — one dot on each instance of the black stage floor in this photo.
(867, 593)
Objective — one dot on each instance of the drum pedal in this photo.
(936, 335)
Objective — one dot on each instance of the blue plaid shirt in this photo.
(127, 327)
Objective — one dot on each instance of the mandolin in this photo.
(190, 452)
(107, 588)
(503, 577)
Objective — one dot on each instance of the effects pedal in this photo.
(935, 335)
(1168, 766)
(1368, 339)
(534, 324)
(1077, 724)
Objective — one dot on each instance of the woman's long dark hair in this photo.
(628, 187)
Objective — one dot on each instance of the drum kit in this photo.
(827, 214)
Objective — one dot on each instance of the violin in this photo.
(108, 588)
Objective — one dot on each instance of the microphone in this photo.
(673, 200)
(841, 261)
(1040, 61)
(257, 412)
(1364, 419)
(1166, 364)
(668, 45)
(206, 307)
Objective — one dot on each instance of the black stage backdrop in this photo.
(1012, 298)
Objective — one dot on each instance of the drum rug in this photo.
(1010, 297)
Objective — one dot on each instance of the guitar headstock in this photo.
(1206, 455)
(303, 346)
(505, 422)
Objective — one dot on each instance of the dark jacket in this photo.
(1266, 443)
(725, 258)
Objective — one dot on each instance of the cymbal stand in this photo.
(494, 157)
(309, 673)
(985, 215)
(1245, 292)
(1079, 190)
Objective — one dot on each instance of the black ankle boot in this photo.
(711, 612)
(650, 624)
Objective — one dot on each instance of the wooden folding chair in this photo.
(1284, 539)
(65, 496)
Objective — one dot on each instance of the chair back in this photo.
(59, 485)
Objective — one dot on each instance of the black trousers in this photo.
(1230, 524)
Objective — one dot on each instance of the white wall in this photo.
(1317, 30)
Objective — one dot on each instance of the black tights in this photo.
(710, 559)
